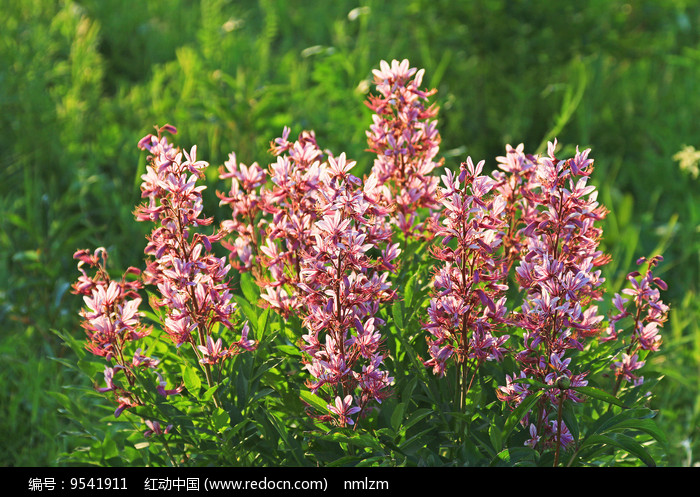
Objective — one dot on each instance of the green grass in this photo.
(81, 82)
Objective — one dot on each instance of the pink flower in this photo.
(626, 367)
(650, 313)
(213, 352)
(162, 384)
(405, 142)
(552, 239)
(154, 428)
(123, 404)
(534, 437)
(467, 308)
(343, 411)
(192, 281)
(139, 360)
(340, 291)
(109, 379)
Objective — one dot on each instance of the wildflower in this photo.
(626, 366)
(553, 238)
(139, 360)
(650, 313)
(245, 343)
(213, 352)
(534, 437)
(405, 141)
(688, 159)
(192, 281)
(109, 379)
(245, 203)
(273, 223)
(124, 402)
(468, 306)
(154, 428)
(162, 384)
(340, 289)
(564, 435)
(343, 411)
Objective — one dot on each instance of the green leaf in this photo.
(415, 442)
(408, 289)
(220, 419)
(622, 442)
(397, 313)
(570, 419)
(495, 436)
(515, 456)
(191, 378)
(109, 447)
(397, 416)
(289, 350)
(648, 426)
(249, 288)
(281, 429)
(633, 419)
(518, 414)
(416, 416)
(209, 393)
(248, 310)
(262, 323)
(599, 394)
(314, 400)
(534, 383)
(364, 440)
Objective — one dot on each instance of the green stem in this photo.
(559, 415)
(170, 455)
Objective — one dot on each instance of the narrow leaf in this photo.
(397, 312)
(313, 400)
(192, 381)
(519, 413)
(249, 288)
(599, 394)
(622, 442)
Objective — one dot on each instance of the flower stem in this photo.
(559, 416)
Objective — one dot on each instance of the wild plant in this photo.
(502, 272)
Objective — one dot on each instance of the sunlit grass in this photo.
(82, 81)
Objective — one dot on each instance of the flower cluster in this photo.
(112, 320)
(469, 303)
(514, 183)
(272, 213)
(559, 272)
(649, 314)
(191, 280)
(342, 287)
(406, 141)
(245, 203)
(305, 226)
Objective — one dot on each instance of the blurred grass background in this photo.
(82, 81)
